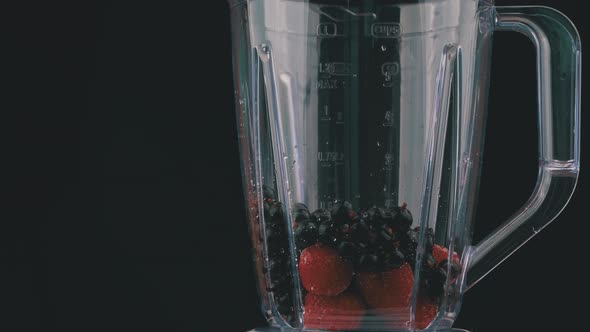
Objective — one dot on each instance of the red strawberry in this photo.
(389, 289)
(341, 312)
(426, 311)
(323, 271)
(441, 253)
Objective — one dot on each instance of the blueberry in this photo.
(301, 213)
(320, 215)
(275, 233)
(280, 281)
(368, 262)
(386, 234)
(428, 261)
(411, 258)
(429, 239)
(360, 231)
(362, 247)
(373, 218)
(455, 268)
(266, 205)
(436, 283)
(328, 233)
(269, 193)
(402, 219)
(276, 265)
(347, 249)
(341, 212)
(276, 213)
(279, 251)
(412, 236)
(373, 237)
(408, 244)
(394, 261)
(387, 215)
(306, 234)
(284, 304)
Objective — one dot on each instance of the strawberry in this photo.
(426, 311)
(323, 271)
(441, 253)
(389, 289)
(341, 312)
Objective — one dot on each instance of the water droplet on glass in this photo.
(383, 48)
(378, 143)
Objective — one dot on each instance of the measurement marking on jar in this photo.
(327, 159)
(389, 70)
(326, 114)
(388, 121)
(386, 30)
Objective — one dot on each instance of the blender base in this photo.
(276, 329)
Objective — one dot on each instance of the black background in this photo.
(120, 193)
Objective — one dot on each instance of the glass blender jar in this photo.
(361, 127)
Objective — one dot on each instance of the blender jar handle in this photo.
(558, 50)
